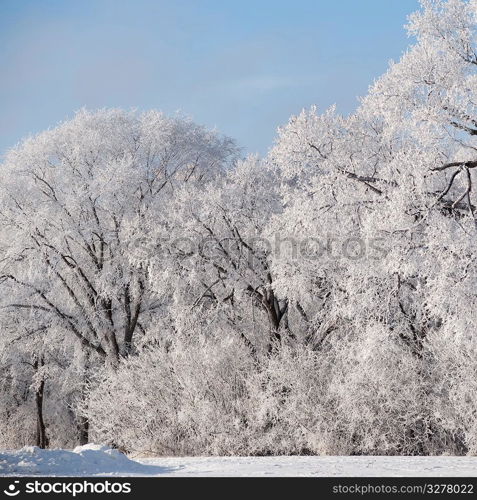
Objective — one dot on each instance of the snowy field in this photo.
(95, 460)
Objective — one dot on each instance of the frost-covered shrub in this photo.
(189, 397)
(454, 388)
(17, 424)
(358, 395)
(365, 393)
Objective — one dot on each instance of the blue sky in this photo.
(243, 66)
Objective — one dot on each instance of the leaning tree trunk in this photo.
(41, 436)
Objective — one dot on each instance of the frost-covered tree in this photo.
(220, 257)
(399, 172)
(74, 201)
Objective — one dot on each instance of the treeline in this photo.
(163, 295)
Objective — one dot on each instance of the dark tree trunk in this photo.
(82, 421)
(276, 314)
(83, 428)
(42, 440)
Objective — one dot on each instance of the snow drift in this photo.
(88, 460)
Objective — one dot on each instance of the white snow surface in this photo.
(97, 460)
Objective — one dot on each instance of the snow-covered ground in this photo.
(96, 460)
(317, 466)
